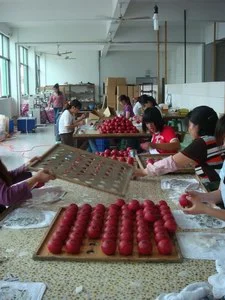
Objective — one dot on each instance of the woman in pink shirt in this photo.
(57, 100)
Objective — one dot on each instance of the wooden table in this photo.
(122, 280)
(95, 134)
(171, 116)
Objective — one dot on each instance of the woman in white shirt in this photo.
(148, 102)
(67, 122)
(137, 107)
(202, 202)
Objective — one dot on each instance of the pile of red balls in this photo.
(117, 125)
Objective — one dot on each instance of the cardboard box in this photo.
(114, 81)
(121, 81)
(136, 91)
(110, 81)
(130, 91)
(109, 112)
(111, 100)
(119, 106)
(95, 115)
(110, 90)
(121, 90)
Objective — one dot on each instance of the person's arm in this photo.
(173, 146)
(50, 101)
(211, 197)
(166, 165)
(203, 208)
(127, 115)
(21, 191)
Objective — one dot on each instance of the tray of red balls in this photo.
(133, 231)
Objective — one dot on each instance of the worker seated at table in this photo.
(204, 203)
(127, 107)
(67, 122)
(164, 139)
(16, 185)
(203, 152)
(148, 102)
(137, 108)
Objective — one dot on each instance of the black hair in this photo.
(205, 117)
(4, 174)
(75, 103)
(220, 131)
(124, 98)
(56, 86)
(145, 99)
(152, 115)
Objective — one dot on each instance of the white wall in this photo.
(84, 68)
(132, 64)
(220, 31)
(129, 64)
(194, 63)
(195, 94)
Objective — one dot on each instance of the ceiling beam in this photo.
(114, 25)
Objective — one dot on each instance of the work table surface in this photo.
(99, 280)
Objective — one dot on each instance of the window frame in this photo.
(37, 72)
(6, 57)
(23, 61)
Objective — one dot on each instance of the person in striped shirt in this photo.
(203, 152)
(206, 203)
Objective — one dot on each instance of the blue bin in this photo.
(26, 124)
(102, 144)
(11, 126)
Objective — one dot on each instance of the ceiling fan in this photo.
(68, 57)
(121, 17)
(58, 53)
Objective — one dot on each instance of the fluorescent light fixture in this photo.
(155, 18)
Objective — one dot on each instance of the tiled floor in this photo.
(23, 146)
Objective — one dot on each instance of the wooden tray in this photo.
(84, 168)
(91, 250)
(142, 162)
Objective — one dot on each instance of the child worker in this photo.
(164, 139)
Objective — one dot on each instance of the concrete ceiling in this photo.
(96, 24)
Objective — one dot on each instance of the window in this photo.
(37, 72)
(4, 66)
(24, 76)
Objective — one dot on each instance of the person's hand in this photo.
(140, 173)
(195, 196)
(44, 176)
(197, 207)
(82, 117)
(145, 146)
(34, 159)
